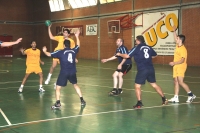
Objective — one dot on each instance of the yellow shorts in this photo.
(56, 59)
(179, 71)
(33, 69)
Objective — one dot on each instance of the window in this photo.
(82, 3)
(108, 1)
(56, 5)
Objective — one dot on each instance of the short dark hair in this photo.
(67, 43)
(140, 38)
(182, 37)
(68, 31)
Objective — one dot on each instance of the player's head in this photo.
(119, 42)
(67, 43)
(180, 39)
(66, 32)
(33, 44)
(139, 39)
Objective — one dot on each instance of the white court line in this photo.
(99, 113)
(5, 117)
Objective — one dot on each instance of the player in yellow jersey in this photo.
(7, 44)
(179, 67)
(33, 62)
(60, 46)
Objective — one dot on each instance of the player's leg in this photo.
(151, 78)
(114, 91)
(191, 96)
(124, 71)
(176, 91)
(57, 94)
(53, 66)
(138, 95)
(41, 89)
(23, 82)
(73, 79)
(61, 81)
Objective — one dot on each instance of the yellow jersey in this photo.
(179, 53)
(33, 56)
(60, 40)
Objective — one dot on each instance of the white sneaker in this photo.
(174, 100)
(47, 82)
(41, 89)
(20, 90)
(190, 98)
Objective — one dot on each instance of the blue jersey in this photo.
(143, 56)
(1, 43)
(123, 50)
(67, 58)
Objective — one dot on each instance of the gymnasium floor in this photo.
(30, 111)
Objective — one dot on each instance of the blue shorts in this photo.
(145, 74)
(64, 77)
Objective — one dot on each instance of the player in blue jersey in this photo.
(7, 44)
(124, 66)
(67, 58)
(143, 55)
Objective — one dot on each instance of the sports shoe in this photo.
(47, 82)
(41, 89)
(138, 105)
(56, 106)
(190, 98)
(113, 92)
(20, 90)
(174, 100)
(164, 101)
(120, 91)
(83, 103)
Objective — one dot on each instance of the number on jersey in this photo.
(70, 59)
(146, 54)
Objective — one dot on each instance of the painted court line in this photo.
(5, 117)
(99, 113)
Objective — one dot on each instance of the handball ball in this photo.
(47, 22)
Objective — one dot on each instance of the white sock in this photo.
(49, 75)
(40, 86)
(21, 86)
(176, 96)
(189, 92)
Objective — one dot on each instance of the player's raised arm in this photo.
(6, 44)
(44, 49)
(50, 34)
(77, 37)
(174, 32)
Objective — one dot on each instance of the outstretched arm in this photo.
(50, 34)
(123, 55)
(6, 44)
(77, 37)
(22, 51)
(45, 51)
(109, 59)
(174, 32)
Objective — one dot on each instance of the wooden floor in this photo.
(30, 111)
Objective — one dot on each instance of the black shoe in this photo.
(164, 101)
(113, 92)
(138, 105)
(120, 91)
(56, 106)
(83, 103)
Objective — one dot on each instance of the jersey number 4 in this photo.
(70, 59)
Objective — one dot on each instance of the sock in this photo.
(81, 98)
(175, 96)
(40, 86)
(49, 75)
(58, 101)
(21, 86)
(190, 93)
(163, 98)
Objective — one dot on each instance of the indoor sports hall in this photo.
(100, 23)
